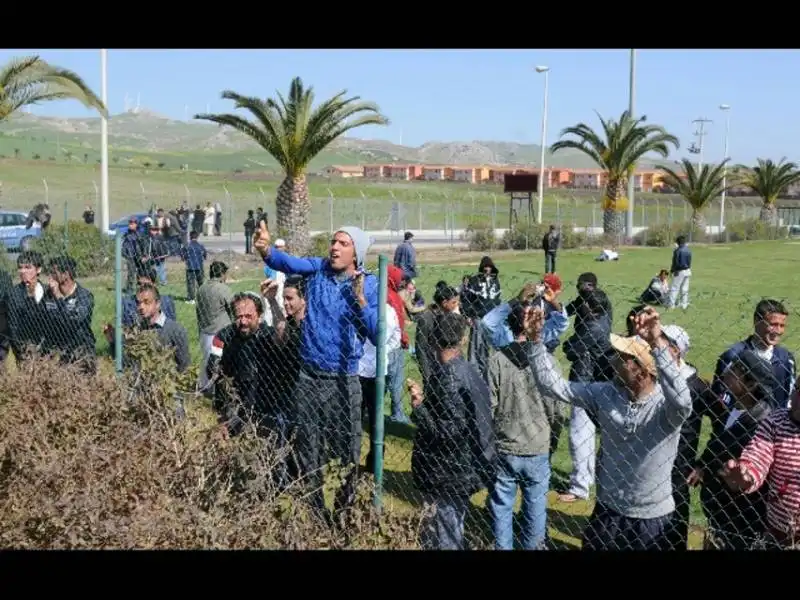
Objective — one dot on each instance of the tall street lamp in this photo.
(631, 186)
(104, 213)
(726, 109)
(546, 71)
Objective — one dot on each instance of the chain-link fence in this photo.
(438, 210)
(262, 399)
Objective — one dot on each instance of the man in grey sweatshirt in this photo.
(640, 415)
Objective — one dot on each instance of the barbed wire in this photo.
(614, 428)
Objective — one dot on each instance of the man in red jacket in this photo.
(395, 370)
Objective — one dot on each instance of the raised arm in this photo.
(280, 261)
(494, 326)
(549, 380)
(676, 390)
(759, 455)
(366, 305)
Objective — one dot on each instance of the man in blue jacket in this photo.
(341, 311)
(769, 323)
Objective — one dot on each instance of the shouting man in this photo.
(341, 311)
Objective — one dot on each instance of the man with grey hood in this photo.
(341, 312)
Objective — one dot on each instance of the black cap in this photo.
(408, 235)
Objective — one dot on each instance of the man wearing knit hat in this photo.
(341, 310)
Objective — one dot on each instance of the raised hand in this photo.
(736, 476)
(648, 325)
(269, 288)
(528, 291)
(358, 288)
(261, 239)
(695, 478)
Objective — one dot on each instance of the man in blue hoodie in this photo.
(341, 311)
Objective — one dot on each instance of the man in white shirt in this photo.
(279, 278)
(367, 375)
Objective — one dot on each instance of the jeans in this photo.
(549, 262)
(582, 452)
(395, 373)
(532, 475)
(444, 528)
(161, 271)
(680, 289)
(194, 279)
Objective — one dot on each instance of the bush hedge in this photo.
(108, 465)
(92, 251)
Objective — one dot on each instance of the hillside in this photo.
(137, 138)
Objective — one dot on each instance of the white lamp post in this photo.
(726, 109)
(546, 71)
(104, 217)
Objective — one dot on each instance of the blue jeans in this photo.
(161, 270)
(532, 475)
(444, 529)
(395, 372)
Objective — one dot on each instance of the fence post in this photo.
(363, 211)
(376, 437)
(230, 218)
(118, 300)
(66, 224)
(46, 192)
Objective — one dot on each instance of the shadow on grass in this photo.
(400, 485)
(565, 529)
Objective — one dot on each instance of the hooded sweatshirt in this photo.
(481, 293)
(335, 326)
(395, 278)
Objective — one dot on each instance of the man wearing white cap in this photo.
(639, 417)
(704, 403)
(279, 277)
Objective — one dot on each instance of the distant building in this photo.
(437, 173)
(343, 171)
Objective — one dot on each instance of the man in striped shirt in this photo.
(773, 457)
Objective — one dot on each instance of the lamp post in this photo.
(104, 216)
(546, 71)
(631, 90)
(726, 109)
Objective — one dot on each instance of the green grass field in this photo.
(727, 282)
(425, 205)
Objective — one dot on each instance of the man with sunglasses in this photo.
(639, 416)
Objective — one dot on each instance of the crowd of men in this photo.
(298, 358)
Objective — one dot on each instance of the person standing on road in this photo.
(405, 256)
(550, 244)
(217, 219)
(249, 230)
(156, 252)
(133, 251)
(639, 416)
(681, 274)
(194, 255)
(213, 311)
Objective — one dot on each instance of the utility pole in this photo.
(700, 134)
(632, 178)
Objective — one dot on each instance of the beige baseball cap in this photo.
(636, 348)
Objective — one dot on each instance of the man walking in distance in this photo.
(341, 311)
(405, 256)
(639, 416)
(550, 243)
(681, 274)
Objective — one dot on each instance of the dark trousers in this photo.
(218, 224)
(326, 425)
(368, 392)
(132, 268)
(194, 279)
(681, 493)
(248, 241)
(478, 349)
(609, 530)
(549, 262)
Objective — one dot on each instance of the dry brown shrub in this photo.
(91, 463)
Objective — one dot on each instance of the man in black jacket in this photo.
(22, 315)
(454, 452)
(550, 243)
(156, 252)
(133, 250)
(479, 295)
(69, 307)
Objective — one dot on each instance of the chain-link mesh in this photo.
(520, 411)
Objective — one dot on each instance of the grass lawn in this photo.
(727, 282)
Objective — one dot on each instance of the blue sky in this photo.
(464, 95)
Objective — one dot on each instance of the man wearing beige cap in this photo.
(639, 417)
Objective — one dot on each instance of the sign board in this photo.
(521, 182)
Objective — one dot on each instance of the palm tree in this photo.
(626, 142)
(769, 180)
(293, 132)
(31, 80)
(698, 188)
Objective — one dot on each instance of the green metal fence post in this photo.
(66, 225)
(376, 436)
(118, 300)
